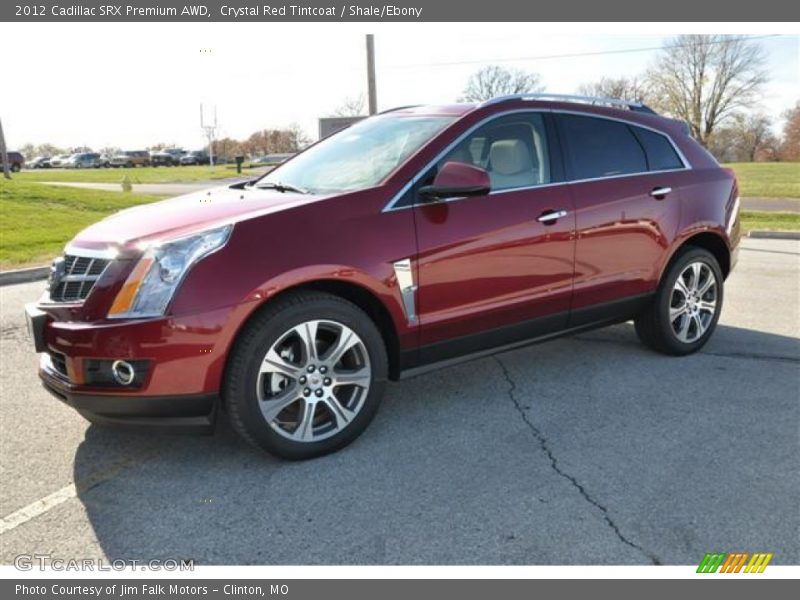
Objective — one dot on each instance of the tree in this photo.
(350, 107)
(748, 137)
(620, 87)
(790, 146)
(493, 81)
(706, 79)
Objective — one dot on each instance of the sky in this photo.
(132, 85)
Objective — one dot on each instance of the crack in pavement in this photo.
(561, 473)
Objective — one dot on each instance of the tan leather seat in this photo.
(511, 164)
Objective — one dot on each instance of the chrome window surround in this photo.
(390, 206)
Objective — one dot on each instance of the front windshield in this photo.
(358, 157)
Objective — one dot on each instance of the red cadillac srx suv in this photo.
(413, 238)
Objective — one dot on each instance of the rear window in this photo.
(661, 155)
(601, 148)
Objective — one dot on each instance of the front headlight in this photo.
(155, 278)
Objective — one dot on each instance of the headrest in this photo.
(509, 157)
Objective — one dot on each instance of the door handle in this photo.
(660, 193)
(550, 216)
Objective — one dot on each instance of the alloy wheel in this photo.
(693, 303)
(313, 380)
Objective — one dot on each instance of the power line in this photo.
(572, 54)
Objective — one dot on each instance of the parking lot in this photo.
(586, 450)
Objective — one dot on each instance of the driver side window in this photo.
(512, 149)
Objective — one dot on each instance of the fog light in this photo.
(123, 372)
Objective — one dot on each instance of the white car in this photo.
(60, 160)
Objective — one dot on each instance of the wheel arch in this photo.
(357, 294)
(708, 240)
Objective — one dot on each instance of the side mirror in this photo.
(457, 180)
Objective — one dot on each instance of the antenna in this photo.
(210, 130)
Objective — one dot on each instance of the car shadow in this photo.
(449, 472)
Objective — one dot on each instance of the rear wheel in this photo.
(686, 308)
(306, 376)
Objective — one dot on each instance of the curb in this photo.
(775, 235)
(24, 275)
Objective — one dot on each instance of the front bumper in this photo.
(184, 414)
(182, 361)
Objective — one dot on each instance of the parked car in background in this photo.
(40, 162)
(159, 158)
(131, 158)
(15, 161)
(86, 160)
(58, 161)
(270, 160)
(168, 157)
(196, 157)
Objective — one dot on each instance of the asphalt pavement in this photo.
(585, 450)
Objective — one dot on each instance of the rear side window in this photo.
(601, 148)
(661, 155)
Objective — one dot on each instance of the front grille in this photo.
(73, 277)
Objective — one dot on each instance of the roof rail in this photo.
(616, 102)
(388, 110)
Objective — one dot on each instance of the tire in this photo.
(682, 318)
(297, 405)
(15, 168)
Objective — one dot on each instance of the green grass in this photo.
(771, 221)
(37, 220)
(768, 180)
(137, 174)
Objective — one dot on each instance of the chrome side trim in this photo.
(408, 290)
(390, 206)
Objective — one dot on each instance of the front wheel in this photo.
(686, 307)
(306, 376)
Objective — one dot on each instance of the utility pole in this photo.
(4, 153)
(211, 133)
(373, 100)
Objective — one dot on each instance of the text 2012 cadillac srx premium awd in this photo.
(413, 238)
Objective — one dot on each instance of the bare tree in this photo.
(706, 79)
(493, 81)
(350, 107)
(790, 146)
(747, 138)
(4, 153)
(619, 87)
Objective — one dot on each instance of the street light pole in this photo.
(373, 100)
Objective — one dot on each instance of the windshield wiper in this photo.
(282, 187)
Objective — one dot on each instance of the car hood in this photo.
(130, 229)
